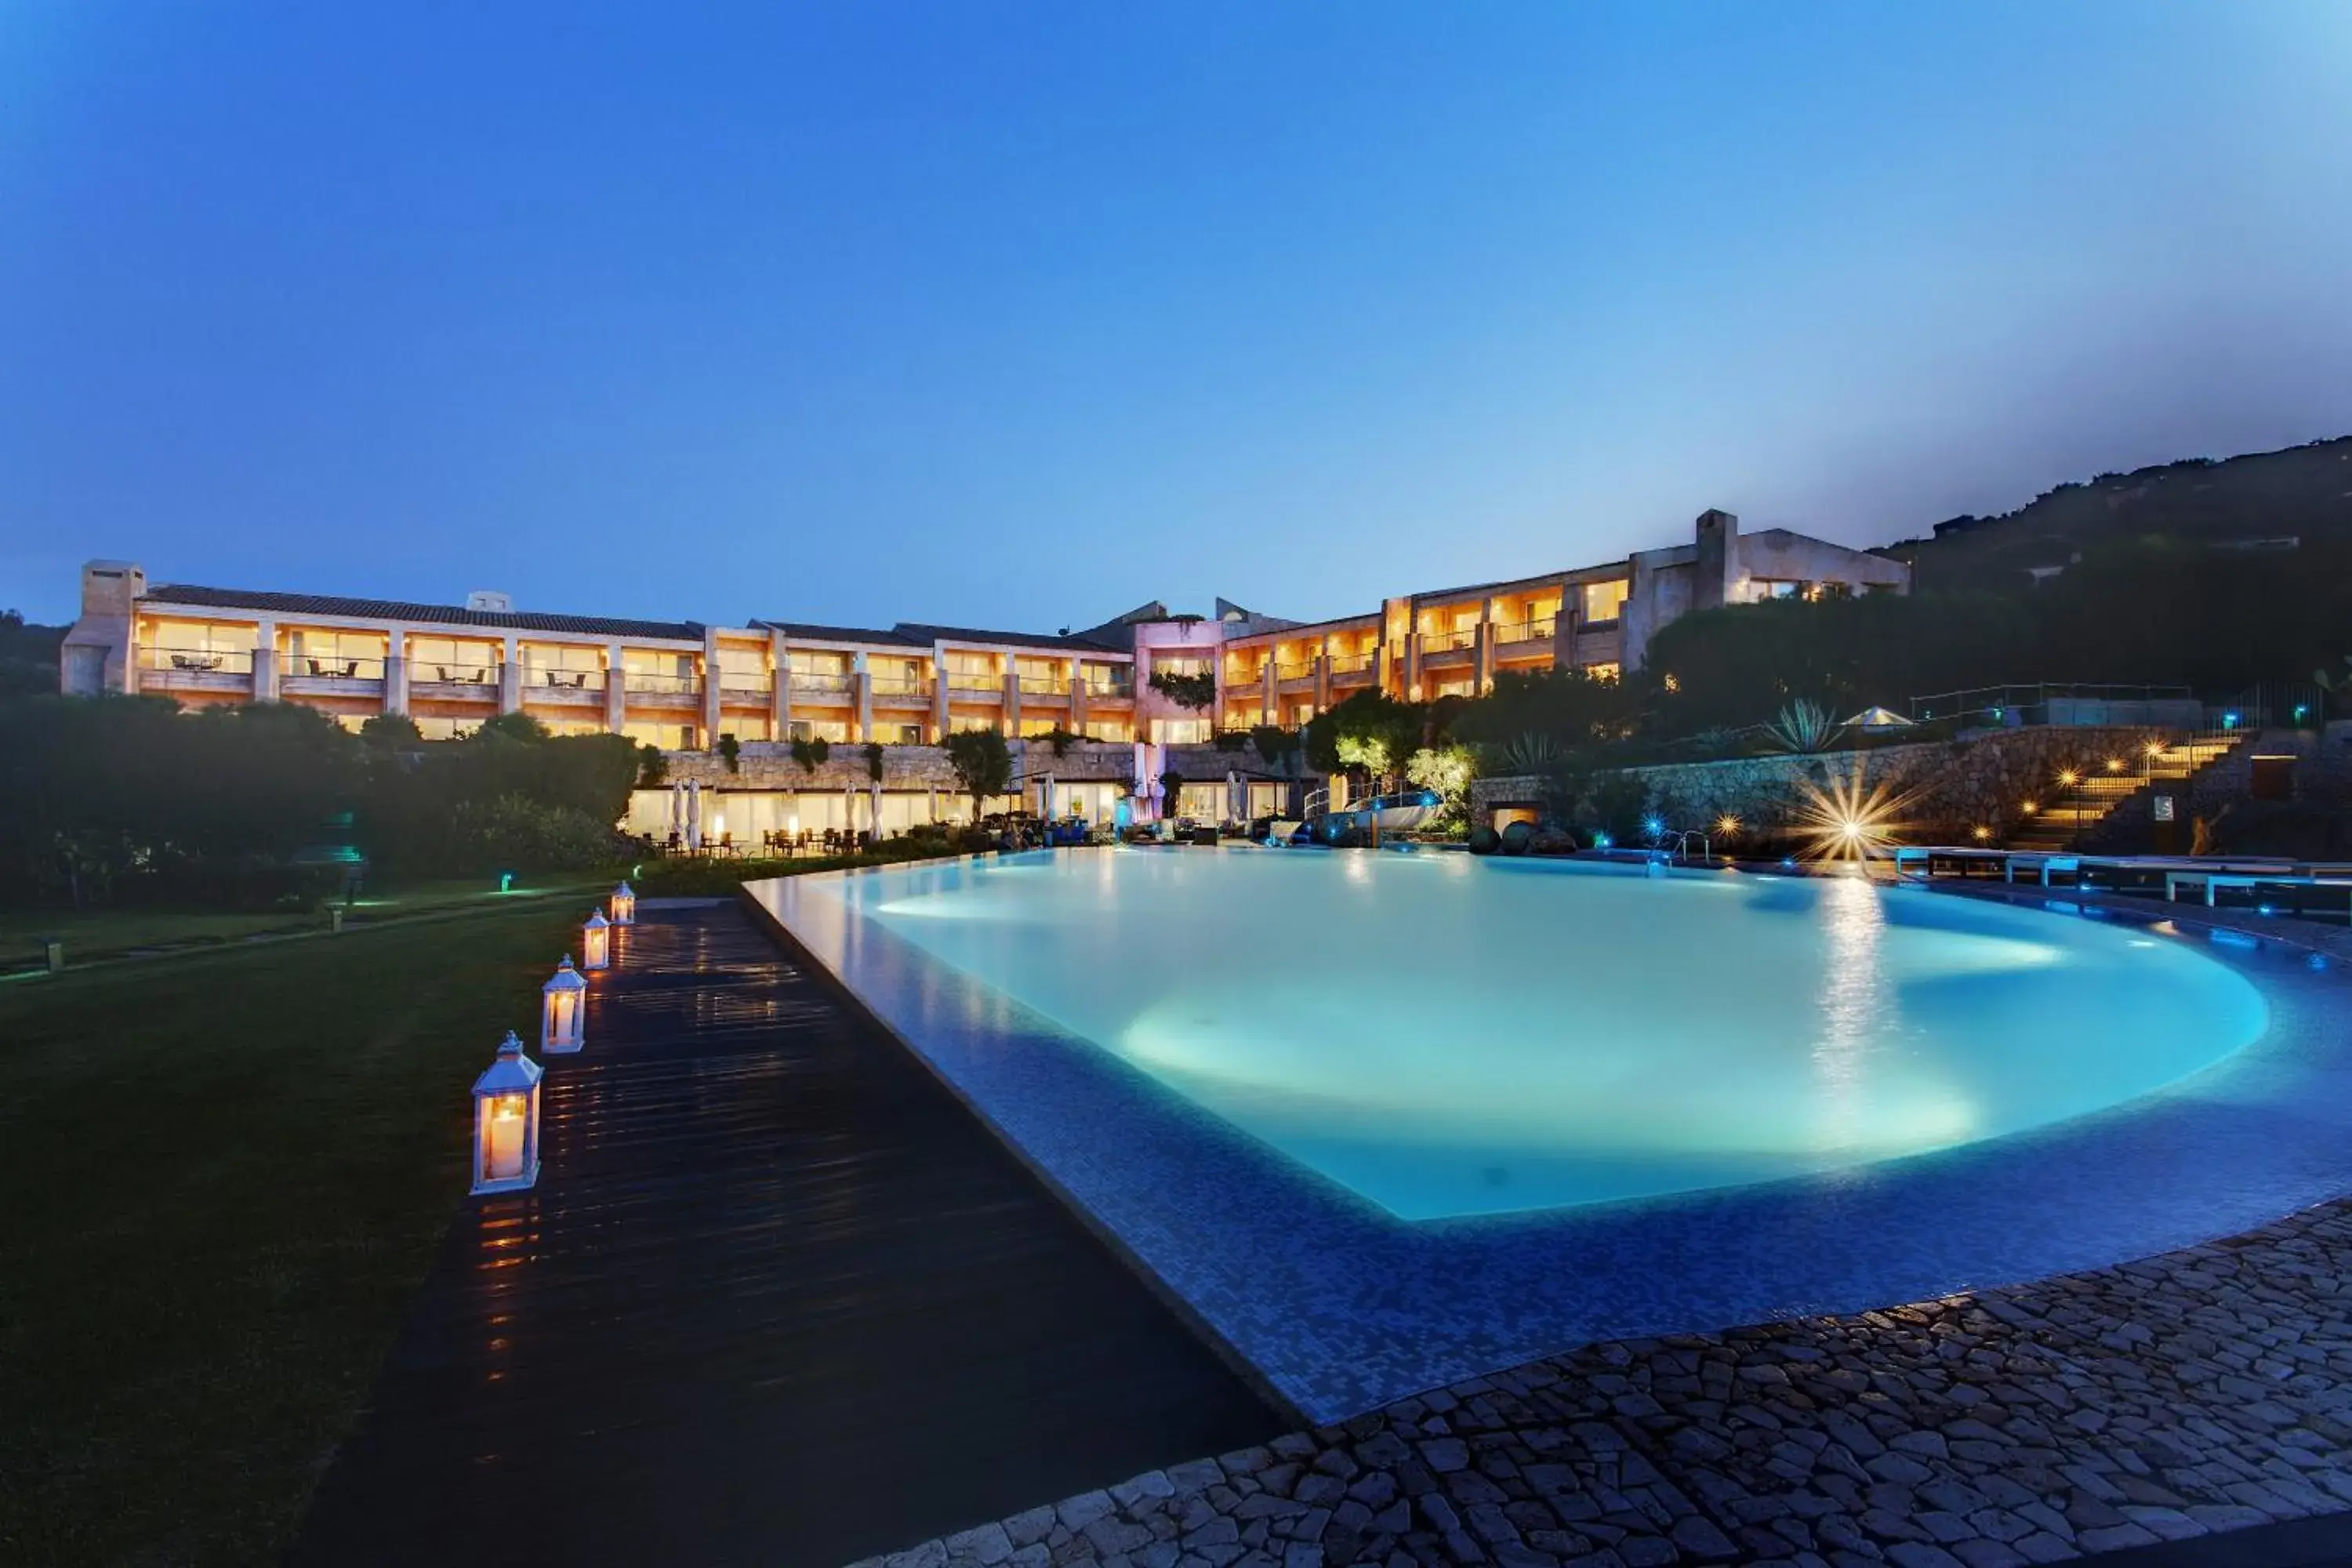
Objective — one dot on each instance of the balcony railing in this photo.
(746, 687)
(1042, 686)
(190, 661)
(818, 681)
(1447, 642)
(1352, 663)
(566, 679)
(664, 685)
(898, 685)
(330, 666)
(455, 674)
(1295, 672)
(1113, 688)
(1540, 629)
(976, 685)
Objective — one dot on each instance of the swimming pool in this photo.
(1382, 1121)
(1447, 1036)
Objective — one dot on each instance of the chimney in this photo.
(1717, 567)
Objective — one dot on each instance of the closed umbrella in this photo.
(875, 800)
(694, 814)
(1236, 801)
(677, 811)
(1046, 799)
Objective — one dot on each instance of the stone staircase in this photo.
(2074, 806)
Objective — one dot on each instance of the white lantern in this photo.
(596, 944)
(563, 1018)
(623, 905)
(506, 1121)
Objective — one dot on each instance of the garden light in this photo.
(597, 943)
(506, 1121)
(563, 1011)
(623, 905)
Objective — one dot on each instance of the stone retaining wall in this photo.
(1952, 784)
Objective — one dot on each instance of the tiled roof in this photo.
(1010, 639)
(197, 597)
(815, 633)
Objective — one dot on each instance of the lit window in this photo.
(1604, 602)
(1605, 671)
(1179, 731)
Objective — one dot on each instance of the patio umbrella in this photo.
(935, 802)
(694, 814)
(1236, 797)
(874, 799)
(1045, 798)
(849, 809)
(677, 809)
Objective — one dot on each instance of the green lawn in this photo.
(221, 1178)
(101, 935)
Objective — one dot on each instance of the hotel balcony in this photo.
(899, 691)
(1099, 691)
(563, 688)
(195, 669)
(454, 682)
(1353, 669)
(1295, 678)
(658, 692)
(1441, 649)
(312, 675)
(745, 690)
(975, 688)
(1047, 692)
(1539, 630)
(821, 690)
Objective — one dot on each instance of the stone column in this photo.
(1077, 698)
(1564, 625)
(1323, 679)
(265, 662)
(779, 696)
(1013, 702)
(510, 676)
(939, 698)
(861, 697)
(1270, 703)
(616, 690)
(1483, 667)
(711, 680)
(396, 672)
(1412, 666)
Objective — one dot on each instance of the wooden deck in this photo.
(777, 1298)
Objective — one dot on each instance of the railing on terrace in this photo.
(196, 660)
(1042, 686)
(1352, 663)
(666, 685)
(1447, 642)
(1303, 671)
(455, 674)
(567, 679)
(330, 666)
(818, 680)
(976, 684)
(898, 685)
(1538, 630)
(1112, 689)
(2028, 703)
(2285, 704)
(746, 685)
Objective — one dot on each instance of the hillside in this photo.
(29, 655)
(2254, 501)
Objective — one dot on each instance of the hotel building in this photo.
(681, 685)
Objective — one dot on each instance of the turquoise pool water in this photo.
(1447, 1036)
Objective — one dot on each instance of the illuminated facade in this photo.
(682, 685)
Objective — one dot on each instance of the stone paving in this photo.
(2205, 1390)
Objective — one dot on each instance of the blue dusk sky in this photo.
(1022, 314)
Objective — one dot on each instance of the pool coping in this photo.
(1334, 1308)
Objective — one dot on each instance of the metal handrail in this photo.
(196, 660)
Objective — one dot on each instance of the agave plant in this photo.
(1803, 727)
(1532, 752)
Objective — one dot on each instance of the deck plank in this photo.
(776, 1298)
